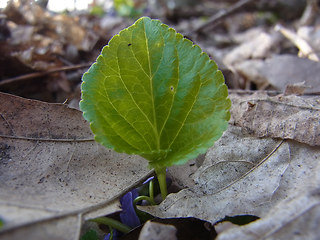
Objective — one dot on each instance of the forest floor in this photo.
(264, 168)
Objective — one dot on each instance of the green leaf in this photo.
(153, 93)
(90, 235)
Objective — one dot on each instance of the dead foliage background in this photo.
(266, 164)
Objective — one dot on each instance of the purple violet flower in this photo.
(128, 215)
(115, 235)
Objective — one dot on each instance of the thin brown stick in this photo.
(41, 74)
(221, 15)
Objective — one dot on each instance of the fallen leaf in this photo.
(280, 71)
(296, 218)
(222, 182)
(276, 180)
(157, 231)
(295, 89)
(250, 70)
(252, 113)
(187, 229)
(52, 171)
(287, 117)
(258, 45)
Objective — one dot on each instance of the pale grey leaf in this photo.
(52, 170)
(285, 117)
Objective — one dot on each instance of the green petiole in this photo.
(112, 223)
(161, 175)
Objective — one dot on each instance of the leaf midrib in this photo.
(157, 137)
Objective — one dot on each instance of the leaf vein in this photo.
(183, 123)
(124, 117)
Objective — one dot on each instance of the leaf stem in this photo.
(161, 175)
(146, 198)
(151, 192)
(112, 223)
(150, 199)
(143, 216)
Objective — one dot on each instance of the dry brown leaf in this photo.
(280, 71)
(286, 117)
(273, 179)
(296, 218)
(253, 125)
(258, 45)
(229, 167)
(158, 231)
(250, 70)
(276, 180)
(296, 89)
(51, 169)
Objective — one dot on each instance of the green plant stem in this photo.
(150, 199)
(140, 198)
(161, 175)
(143, 216)
(112, 223)
(151, 192)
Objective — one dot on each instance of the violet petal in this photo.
(128, 215)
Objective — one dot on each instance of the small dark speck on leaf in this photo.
(171, 88)
(41, 180)
(129, 44)
(251, 106)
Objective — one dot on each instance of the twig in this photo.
(304, 47)
(221, 15)
(41, 74)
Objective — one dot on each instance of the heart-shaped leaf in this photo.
(153, 93)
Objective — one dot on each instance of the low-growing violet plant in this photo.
(130, 217)
(154, 93)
